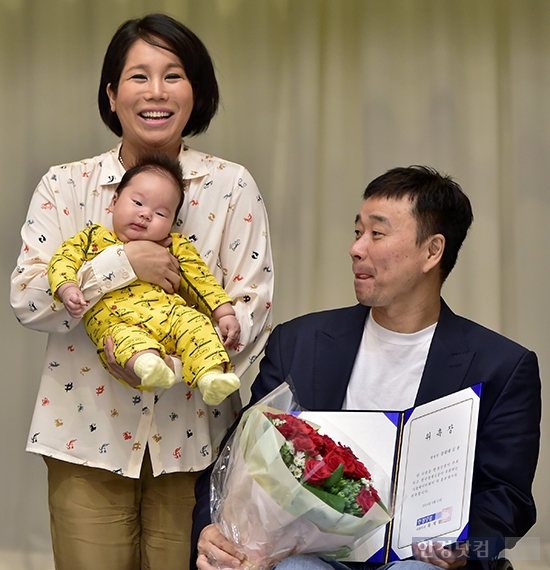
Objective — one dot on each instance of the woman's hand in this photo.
(215, 551)
(153, 263)
(438, 555)
(125, 374)
(116, 370)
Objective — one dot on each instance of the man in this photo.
(402, 346)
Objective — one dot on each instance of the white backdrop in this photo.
(319, 97)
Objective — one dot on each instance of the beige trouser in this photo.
(102, 520)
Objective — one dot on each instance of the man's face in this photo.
(388, 265)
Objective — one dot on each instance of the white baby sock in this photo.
(153, 371)
(215, 385)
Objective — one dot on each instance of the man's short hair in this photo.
(438, 204)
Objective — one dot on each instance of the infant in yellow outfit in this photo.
(144, 321)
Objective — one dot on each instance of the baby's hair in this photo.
(156, 162)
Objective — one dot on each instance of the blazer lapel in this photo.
(449, 359)
(335, 351)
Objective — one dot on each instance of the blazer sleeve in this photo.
(506, 457)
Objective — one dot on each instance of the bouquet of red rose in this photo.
(329, 470)
(281, 487)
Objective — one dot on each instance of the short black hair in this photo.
(167, 33)
(438, 204)
(156, 162)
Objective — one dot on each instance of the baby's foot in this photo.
(153, 371)
(215, 385)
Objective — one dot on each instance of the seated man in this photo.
(403, 346)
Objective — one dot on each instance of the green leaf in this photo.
(335, 477)
(337, 503)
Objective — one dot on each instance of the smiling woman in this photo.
(153, 100)
(122, 463)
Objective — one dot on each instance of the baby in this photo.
(144, 321)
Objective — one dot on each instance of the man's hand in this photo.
(153, 263)
(215, 551)
(72, 298)
(438, 555)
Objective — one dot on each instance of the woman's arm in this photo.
(64, 203)
(247, 263)
(153, 263)
(117, 266)
(30, 296)
(59, 208)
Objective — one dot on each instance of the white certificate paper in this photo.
(435, 477)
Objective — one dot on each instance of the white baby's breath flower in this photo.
(366, 482)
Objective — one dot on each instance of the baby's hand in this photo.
(230, 330)
(73, 300)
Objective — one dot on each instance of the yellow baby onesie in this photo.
(142, 315)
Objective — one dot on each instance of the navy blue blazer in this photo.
(318, 351)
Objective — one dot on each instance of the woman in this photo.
(121, 462)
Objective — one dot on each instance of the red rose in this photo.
(324, 459)
(292, 426)
(367, 498)
(327, 445)
(333, 459)
(285, 428)
(316, 472)
(353, 467)
(317, 440)
(305, 444)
